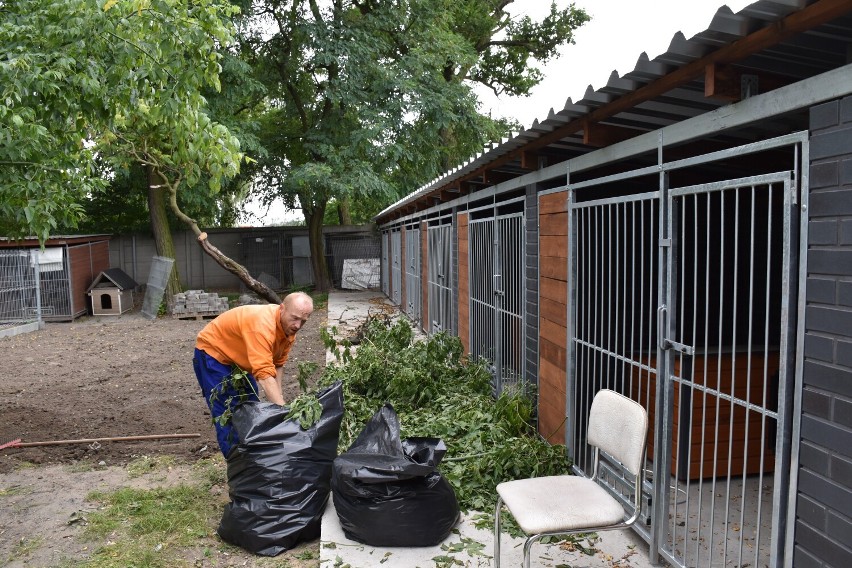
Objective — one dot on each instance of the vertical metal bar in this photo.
(693, 392)
(662, 435)
(586, 252)
(496, 301)
(733, 346)
(572, 323)
(792, 422)
(705, 361)
(690, 340)
(624, 351)
(644, 352)
(673, 361)
(766, 377)
(785, 360)
(631, 350)
(718, 370)
(607, 313)
(751, 261)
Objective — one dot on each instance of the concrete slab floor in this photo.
(467, 545)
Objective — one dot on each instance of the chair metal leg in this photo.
(527, 547)
(497, 532)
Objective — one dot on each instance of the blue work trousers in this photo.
(213, 375)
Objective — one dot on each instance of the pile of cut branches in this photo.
(438, 392)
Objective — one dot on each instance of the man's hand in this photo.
(272, 390)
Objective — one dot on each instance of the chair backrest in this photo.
(619, 427)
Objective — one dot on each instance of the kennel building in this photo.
(61, 273)
(682, 235)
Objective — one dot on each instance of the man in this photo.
(256, 339)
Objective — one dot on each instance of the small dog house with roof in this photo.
(112, 293)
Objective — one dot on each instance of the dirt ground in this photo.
(104, 377)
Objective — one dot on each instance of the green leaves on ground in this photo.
(438, 392)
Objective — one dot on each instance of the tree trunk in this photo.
(162, 233)
(313, 218)
(344, 216)
(225, 262)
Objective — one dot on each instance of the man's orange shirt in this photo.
(250, 337)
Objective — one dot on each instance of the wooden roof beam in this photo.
(599, 135)
(531, 160)
(730, 83)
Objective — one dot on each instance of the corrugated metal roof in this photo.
(780, 41)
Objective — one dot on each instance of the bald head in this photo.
(295, 311)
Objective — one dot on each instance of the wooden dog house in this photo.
(112, 292)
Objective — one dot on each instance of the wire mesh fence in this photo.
(19, 292)
(282, 260)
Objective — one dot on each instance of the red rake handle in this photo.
(18, 444)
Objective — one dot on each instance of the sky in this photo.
(619, 31)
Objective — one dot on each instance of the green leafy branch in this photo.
(238, 381)
(305, 409)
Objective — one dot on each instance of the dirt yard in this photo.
(104, 377)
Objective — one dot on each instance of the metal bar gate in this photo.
(412, 274)
(396, 267)
(496, 296)
(385, 264)
(681, 299)
(439, 278)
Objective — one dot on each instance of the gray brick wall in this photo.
(531, 274)
(823, 531)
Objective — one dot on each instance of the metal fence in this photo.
(345, 249)
(439, 278)
(281, 260)
(396, 267)
(20, 297)
(386, 283)
(679, 301)
(412, 274)
(277, 256)
(496, 296)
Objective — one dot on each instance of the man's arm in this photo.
(272, 387)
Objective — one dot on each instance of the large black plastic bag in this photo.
(279, 475)
(388, 492)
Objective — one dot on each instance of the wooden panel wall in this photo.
(464, 282)
(87, 262)
(553, 306)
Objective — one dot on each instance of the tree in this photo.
(369, 97)
(121, 81)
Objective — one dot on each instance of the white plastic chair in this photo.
(570, 504)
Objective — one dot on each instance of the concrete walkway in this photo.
(466, 546)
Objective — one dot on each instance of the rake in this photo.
(18, 444)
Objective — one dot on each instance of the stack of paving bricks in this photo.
(198, 304)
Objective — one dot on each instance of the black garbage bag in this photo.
(279, 475)
(389, 492)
